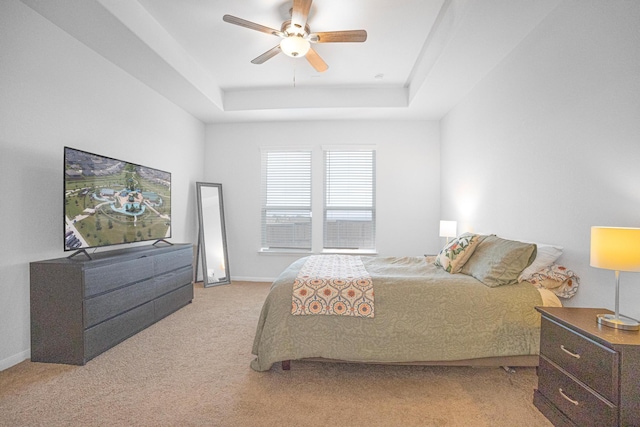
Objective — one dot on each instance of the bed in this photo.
(424, 314)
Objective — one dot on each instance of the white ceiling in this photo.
(421, 57)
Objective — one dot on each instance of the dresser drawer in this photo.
(170, 281)
(111, 304)
(172, 301)
(107, 334)
(577, 402)
(112, 276)
(173, 260)
(590, 362)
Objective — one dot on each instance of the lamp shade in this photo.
(448, 228)
(615, 248)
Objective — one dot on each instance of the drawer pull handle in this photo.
(575, 402)
(570, 353)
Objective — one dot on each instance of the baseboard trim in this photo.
(15, 359)
(252, 279)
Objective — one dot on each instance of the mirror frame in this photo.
(202, 243)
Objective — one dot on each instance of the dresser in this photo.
(82, 307)
(589, 374)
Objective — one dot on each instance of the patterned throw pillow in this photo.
(558, 279)
(453, 256)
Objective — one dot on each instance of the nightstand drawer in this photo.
(590, 362)
(577, 402)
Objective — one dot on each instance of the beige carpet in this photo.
(192, 369)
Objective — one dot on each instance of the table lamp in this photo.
(618, 249)
(448, 229)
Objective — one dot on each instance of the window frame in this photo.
(265, 207)
(358, 154)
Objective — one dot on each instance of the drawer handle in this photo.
(575, 402)
(570, 353)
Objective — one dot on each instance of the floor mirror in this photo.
(212, 239)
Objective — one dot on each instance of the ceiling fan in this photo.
(297, 37)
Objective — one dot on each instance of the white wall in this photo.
(54, 91)
(407, 162)
(548, 144)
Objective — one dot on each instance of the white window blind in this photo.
(349, 199)
(286, 199)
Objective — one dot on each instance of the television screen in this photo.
(111, 202)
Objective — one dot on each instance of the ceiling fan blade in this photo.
(316, 62)
(300, 13)
(251, 25)
(338, 36)
(267, 55)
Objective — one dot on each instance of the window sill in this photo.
(284, 252)
(323, 252)
(350, 251)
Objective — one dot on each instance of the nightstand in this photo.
(589, 374)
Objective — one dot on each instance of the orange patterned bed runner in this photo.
(333, 285)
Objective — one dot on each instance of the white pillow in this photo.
(546, 255)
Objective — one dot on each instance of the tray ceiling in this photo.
(421, 57)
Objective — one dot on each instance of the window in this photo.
(349, 199)
(286, 199)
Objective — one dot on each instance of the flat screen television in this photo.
(111, 202)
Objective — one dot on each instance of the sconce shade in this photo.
(448, 228)
(615, 248)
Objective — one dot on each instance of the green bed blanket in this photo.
(422, 314)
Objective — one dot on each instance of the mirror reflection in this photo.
(212, 241)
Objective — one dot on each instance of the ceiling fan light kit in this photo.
(295, 46)
(297, 37)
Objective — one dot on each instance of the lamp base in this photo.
(621, 322)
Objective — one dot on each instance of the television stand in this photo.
(80, 251)
(81, 308)
(162, 240)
